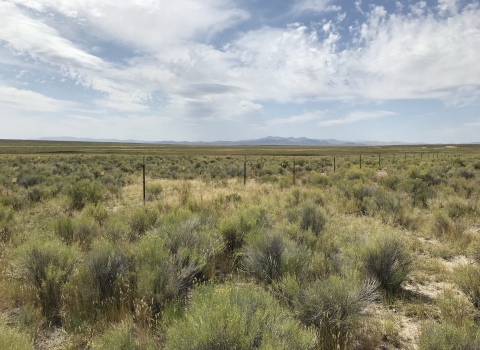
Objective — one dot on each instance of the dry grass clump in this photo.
(387, 260)
(11, 338)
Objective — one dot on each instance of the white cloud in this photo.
(313, 6)
(29, 100)
(448, 6)
(390, 56)
(356, 117)
(147, 24)
(301, 118)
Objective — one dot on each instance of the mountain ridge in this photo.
(265, 141)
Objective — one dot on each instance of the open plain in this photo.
(311, 252)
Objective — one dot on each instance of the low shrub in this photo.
(458, 208)
(109, 269)
(190, 238)
(444, 227)
(263, 259)
(419, 191)
(154, 191)
(391, 182)
(320, 180)
(234, 231)
(35, 195)
(387, 260)
(232, 317)
(456, 309)
(98, 212)
(64, 229)
(468, 280)
(334, 307)
(466, 174)
(85, 230)
(163, 278)
(141, 221)
(312, 218)
(6, 217)
(83, 192)
(447, 336)
(45, 268)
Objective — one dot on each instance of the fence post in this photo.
(334, 165)
(294, 171)
(360, 161)
(143, 167)
(244, 170)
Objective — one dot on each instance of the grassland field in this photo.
(385, 256)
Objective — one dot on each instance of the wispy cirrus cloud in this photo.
(319, 6)
(301, 118)
(356, 117)
(33, 101)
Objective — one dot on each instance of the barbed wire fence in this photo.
(364, 159)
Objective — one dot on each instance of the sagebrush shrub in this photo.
(83, 192)
(46, 267)
(232, 317)
(320, 180)
(334, 306)
(108, 267)
(85, 230)
(234, 232)
(6, 217)
(64, 229)
(312, 218)
(466, 174)
(98, 212)
(264, 259)
(163, 278)
(445, 227)
(141, 221)
(387, 260)
(34, 195)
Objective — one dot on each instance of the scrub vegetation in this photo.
(381, 256)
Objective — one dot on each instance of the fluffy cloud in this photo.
(174, 70)
(146, 24)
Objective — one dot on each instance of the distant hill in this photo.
(265, 141)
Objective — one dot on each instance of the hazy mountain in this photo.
(265, 141)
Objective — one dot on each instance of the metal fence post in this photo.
(244, 170)
(143, 167)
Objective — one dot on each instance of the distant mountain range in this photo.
(265, 141)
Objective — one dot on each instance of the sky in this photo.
(241, 69)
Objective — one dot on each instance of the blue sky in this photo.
(238, 69)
